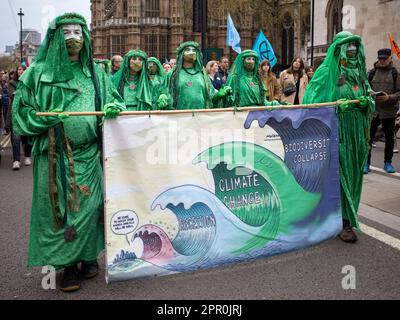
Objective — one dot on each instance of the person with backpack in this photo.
(386, 90)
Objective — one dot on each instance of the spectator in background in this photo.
(17, 139)
(2, 120)
(385, 84)
(223, 68)
(167, 67)
(116, 63)
(270, 81)
(5, 98)
(212, 70)
(172, 63)
(310, 73)
(294, 82)
(278, 67)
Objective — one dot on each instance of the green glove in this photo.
(273, 103)
(111, 110)
(343, 104)
(363, 101)
(162, 101)
(222, 93)
(63, 117)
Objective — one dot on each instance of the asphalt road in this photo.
(312, 273)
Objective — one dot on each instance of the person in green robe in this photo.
(247, 86)
(189, 83)
(158, 84)
(342, 76)
(133, 83)
(67, 204)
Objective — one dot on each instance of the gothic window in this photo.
(125, 8)
(118, 45)
(155, 45)
(152, 8)
(334, 18)
(287, 40)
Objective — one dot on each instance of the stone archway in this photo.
(334, 18)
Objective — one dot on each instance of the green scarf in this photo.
(144, 96)
(198, 67)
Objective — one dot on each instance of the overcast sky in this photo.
(38, 14)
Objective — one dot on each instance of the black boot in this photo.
(70, 279)
(348, 234)
(89, 270)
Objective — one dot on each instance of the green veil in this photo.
(161, 71)
(53, 66)
(237, 71)
(198, 67)
(119, 79)
(323, 85)
(53, 51)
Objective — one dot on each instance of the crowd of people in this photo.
(288, 89)
(67, 203)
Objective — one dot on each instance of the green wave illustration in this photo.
(243, 171)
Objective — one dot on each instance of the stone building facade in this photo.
(159, 26)
(371, 19)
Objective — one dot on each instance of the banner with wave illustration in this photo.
(185, 192)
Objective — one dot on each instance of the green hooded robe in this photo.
(137, 92)
(67, 203)
(190, 88)
(158, 83)
(340, 77)
(247, 87)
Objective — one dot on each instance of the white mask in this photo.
(72, 31)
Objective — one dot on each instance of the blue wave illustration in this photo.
(307, 138)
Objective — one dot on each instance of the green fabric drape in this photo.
(67, 168)
(159, 84)
(247, 87)
(190, 88)
(340, 77)
(139, 89)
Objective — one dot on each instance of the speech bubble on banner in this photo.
(124, 222)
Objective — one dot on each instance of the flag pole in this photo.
(193, 111)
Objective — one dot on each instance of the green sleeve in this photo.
(112, 95)
(25, 121)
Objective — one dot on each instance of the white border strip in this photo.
(383, 237)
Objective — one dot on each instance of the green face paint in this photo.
(136, 64)
(152, 68)
(249, 63)
(190, 55)
(74, 46)
(351, 51)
